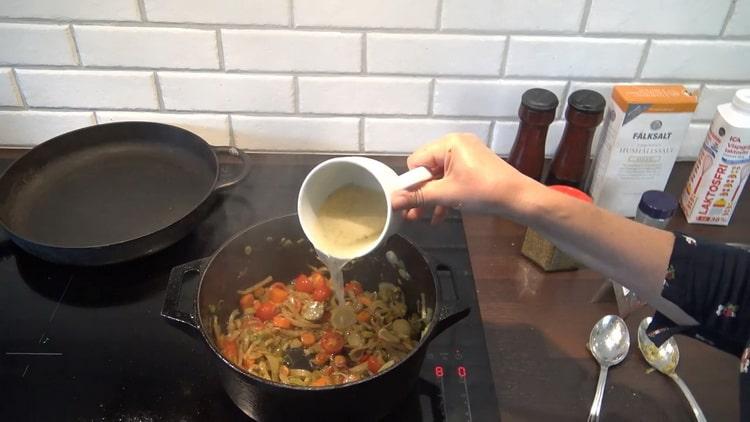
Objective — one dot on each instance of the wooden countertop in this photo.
(537, 325)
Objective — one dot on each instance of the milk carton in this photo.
(645, 125)
(723, 165)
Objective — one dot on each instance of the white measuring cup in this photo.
(332, 174)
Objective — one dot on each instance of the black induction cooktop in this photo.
(89, 344)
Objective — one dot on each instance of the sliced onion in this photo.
(388, 336)
(343, 317)
(402, 328)
(354, 340)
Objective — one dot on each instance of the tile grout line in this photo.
(142, 10)
(564, 100)
(446, 118)
(439, 16)
(291, 14)
(585, 16)
(491, 134)
(728, 17)
(74, 41)
(401, 76)
(363, 47)
(361, 140)
(19, 92)
(220, 50)
(359, 29)
(232, 137)
(504, 58)
(295, 93)
(431, 98)
(642, 62)
(159, 95)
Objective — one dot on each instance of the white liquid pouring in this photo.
(348, 222)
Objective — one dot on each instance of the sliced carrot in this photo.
(321, 358)
(248, 363)
(246, 301)
(318, 280)
(374, 363)
(229, 350)
(278, 285)
(321, 382)
(363, 316)
(364, 299)
(354, 286)
(339, 361)
(277, 295)
(281, 321)
(307, 338)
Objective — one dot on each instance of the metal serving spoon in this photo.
(665, 360)
(609, 343)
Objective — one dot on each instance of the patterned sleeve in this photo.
(711, 282)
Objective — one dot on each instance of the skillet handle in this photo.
(452, 308)
(171, 308)
(227, 182)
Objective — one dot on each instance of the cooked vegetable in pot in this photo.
(367, 334)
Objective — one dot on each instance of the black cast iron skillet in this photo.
(113, 192)
(231, 269)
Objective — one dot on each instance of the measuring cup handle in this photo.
(413, 177)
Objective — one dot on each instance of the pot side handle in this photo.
(452, 308)
(171, 308)
(228, 178)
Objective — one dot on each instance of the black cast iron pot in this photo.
(275, 251)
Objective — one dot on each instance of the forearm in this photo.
(634, 254)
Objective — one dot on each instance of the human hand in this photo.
(468, 175)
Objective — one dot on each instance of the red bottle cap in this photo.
(576, 193)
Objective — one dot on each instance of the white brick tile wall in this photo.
(739, 23)
(513, 15)
(574, 57)
(26, 128)
(695, 17)
(88, 89)
(485, 98)
(406, 135)
(434, 54)
(358, 95)
(147, 47)
(110, 10)
(311, 74)
(505, 134)
(31, 44)
(253, 12)
(8, 91)
(366, 13)
(693, 141)
(712, 96)
(213, 128)
(226, 92)
(702, 60)
(296, 133)
(292, 51)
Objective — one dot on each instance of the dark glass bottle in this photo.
(584, 113)
(537, 111)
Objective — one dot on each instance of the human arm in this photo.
(470, 176)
